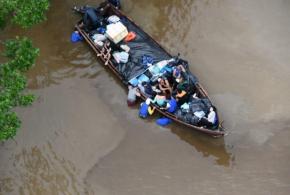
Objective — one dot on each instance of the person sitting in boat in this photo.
(155, 87)
(164, 86)
(182, 84)
(160, 99)
(149, 90)
(146, 109)
(92, 19)
(171, 106)
(181, 97)
(132, 95)
(210, 120)
(177, 82)
(178, 71)
(146, 89)
(116, 3)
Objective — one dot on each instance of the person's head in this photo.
(212, 109)
(148, 101)
(179, 90)
(176, 72)
(160, 80)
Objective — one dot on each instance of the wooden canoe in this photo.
(217, 132)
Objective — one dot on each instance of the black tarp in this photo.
(140, 46)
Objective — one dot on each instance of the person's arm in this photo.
(165, 88)
(168, 86)
(180, 95)
(154, 100)
(182, 68)
(138, 92)
(141, 88)
(161, 87)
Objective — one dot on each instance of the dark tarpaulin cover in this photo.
(141, 45)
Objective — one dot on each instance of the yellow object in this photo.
(151, 110)
(180, 95)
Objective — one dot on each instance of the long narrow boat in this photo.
(148, 44)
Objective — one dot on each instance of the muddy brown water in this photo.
(79, 137)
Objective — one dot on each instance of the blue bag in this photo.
(143, 112)
(76, 37)
(163, 121)
(101, 30)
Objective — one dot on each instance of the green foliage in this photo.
(21, 55)
(23, 12)
(9, 123)
(21, 52)
(4, 11)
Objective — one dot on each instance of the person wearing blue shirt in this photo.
(143, 111)
(172, 105)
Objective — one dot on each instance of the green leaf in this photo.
(13, 82)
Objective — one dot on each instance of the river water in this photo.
(80, 137)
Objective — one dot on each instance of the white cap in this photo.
(148, 101)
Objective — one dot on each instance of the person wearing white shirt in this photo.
(210, 120)
(211, 116)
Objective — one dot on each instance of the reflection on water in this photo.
(208, 146)
(169, 22)
(41, 171)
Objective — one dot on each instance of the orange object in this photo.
(131, 36)
(180, 95)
